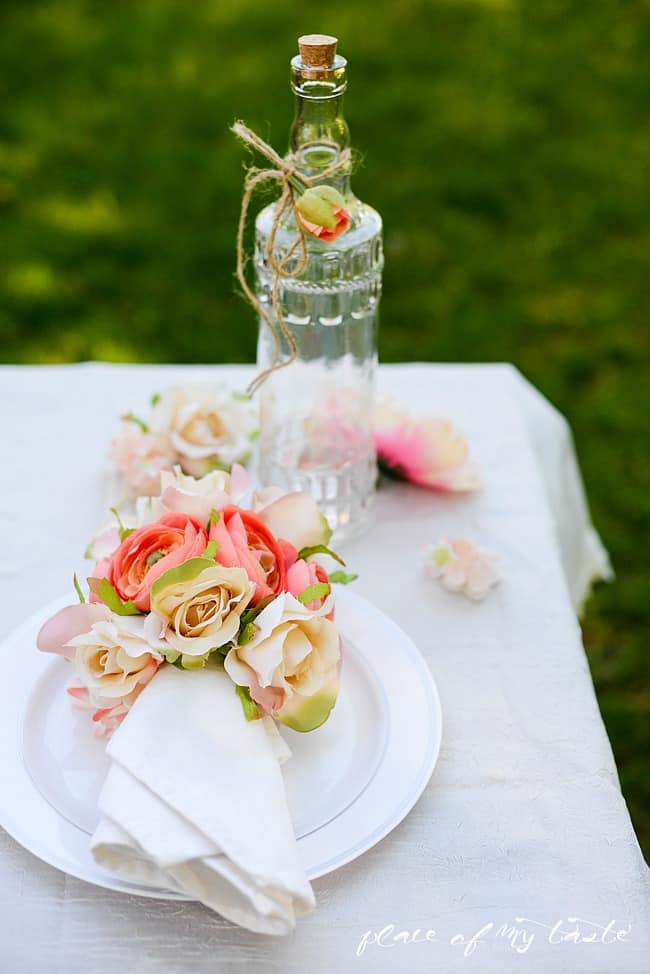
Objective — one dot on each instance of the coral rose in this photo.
(149, 552)
(246, 542)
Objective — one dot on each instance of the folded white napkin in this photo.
(194, 801)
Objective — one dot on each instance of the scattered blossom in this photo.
(462, 566)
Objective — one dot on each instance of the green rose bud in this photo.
(319, 204)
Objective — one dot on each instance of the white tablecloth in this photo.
(522, 826)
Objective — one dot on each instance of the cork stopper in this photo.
(317, 50)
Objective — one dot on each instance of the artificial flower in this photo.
(147, 553)
(114, 657)
(207, 427)
(302, 575)
(427, 451)
(199, 605)
(244, 540)
(462, 566)
(140, 456)
(291, 665)
(321, 211)
(198, 497)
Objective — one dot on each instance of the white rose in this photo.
(291, 666)
(207, 427)
(115, 655)
(200, 606)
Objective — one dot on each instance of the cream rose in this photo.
(199, 605)
(183, 493)
(291, 666)
(207, 427)
(115, 656)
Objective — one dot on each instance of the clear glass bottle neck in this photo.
(319, 132)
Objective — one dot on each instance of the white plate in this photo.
(348, 783)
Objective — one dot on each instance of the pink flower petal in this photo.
(68, 623)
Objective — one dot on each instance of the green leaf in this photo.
(186, 572)
(316, 591)
(210, 550)
(252, 613)
(326, 529)
(77, 588)
(240, 396)
(121, 530)
(193, 662)
(213, 463)
(216, 657)
(250, 708)
(155, 399)
(214, 518)
(103, 589)
(132, 418)
(247, 634)
(343, 578)
(319, 549)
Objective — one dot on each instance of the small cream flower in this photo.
(200, 606)
(462, 566)
(207, 427)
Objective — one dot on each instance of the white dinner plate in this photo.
(348, 783)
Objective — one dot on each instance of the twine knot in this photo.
(291, 263)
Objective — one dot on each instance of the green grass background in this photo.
(506, 146)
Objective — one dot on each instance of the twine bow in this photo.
(282, 265)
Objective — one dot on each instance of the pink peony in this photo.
(427, 451)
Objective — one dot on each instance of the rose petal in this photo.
(296, 518)
(68, 623)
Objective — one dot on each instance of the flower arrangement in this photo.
(199, 578)
(199, 427)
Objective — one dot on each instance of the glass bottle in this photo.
(316, 412)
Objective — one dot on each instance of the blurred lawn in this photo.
(507, 149)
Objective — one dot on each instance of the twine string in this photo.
(282, 265)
